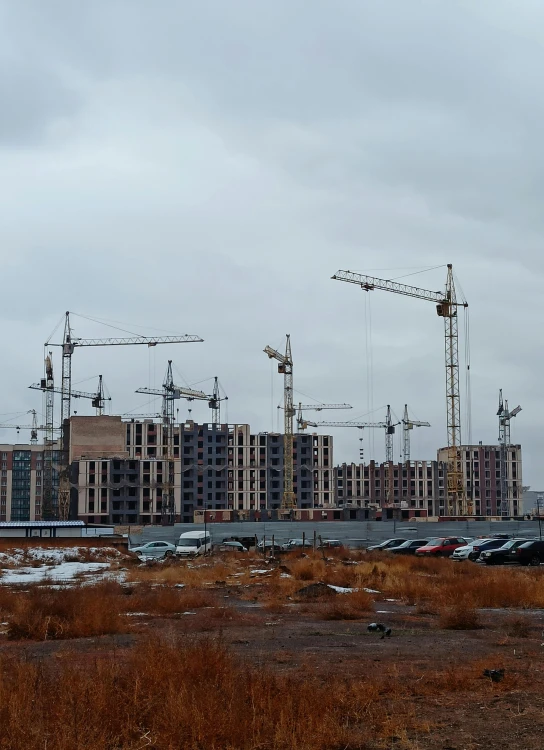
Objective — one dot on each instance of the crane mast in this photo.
(388, 426)
(49, 509)
(285, 367)
(447, 308)
(168, 506)
(214, 402)
(407, 426)
(170, 393)
(505, 415)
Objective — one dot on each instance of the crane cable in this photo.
(468, 394)
(369, 365)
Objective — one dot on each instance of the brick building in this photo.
(482, 479)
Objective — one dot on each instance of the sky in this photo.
(189, 166)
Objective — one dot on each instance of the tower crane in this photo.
(446, 307)
(33, 427)
(505, 416)
(302, 424)
(170, 393)
(214, 402)
(47, 386)
(98, 398)
(408, 425)
(388, 425)
(285, 368)
(69, 344)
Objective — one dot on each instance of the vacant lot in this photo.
(236, 653)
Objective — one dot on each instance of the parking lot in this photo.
(352, 534)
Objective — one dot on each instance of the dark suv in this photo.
(530, 553)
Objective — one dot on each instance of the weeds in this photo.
(348, 606)
(172, 695)
(459, 617)
(43, 613)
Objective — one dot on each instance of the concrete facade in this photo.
(413, 486)
(217, 467)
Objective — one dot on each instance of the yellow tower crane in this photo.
(285, 367)
(446, 307)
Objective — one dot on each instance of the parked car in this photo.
(262, 546)
(330, 544)
(298, 543)
(501, 555)
(528, 553)
(155, 549)
(245, 541)
(385, 545)
(231, 547)
(441, 546)
(407, 548)
(473, 550)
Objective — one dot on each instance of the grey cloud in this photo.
(222, 160)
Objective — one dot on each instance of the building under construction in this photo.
(118, 470)
(117, 474)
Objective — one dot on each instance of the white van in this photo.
(194, 543)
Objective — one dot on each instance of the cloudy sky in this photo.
(205, 167)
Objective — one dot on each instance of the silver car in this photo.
(155, 549)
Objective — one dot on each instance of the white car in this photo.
(155, 549)
(467, 553)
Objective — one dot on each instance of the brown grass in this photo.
(43, 613)
(348, 606)
(173, 695)
(166, 600)
(459, 617)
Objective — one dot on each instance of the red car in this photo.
(441, 547)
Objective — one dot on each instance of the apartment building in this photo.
(118, 471)
(21, 482)
(482, 479)
(413, 485)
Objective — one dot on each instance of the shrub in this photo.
(459, 617)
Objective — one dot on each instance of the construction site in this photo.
(157, 469)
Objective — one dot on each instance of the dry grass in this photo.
(80, 612)
(518, 627)
(165, 600)
(174, 694)
(348, 606)
(459, 617)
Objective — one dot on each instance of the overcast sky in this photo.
(205, 167)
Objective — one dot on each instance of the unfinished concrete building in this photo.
(412, 486)
(118, 477)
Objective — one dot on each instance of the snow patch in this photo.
(341, 589)
(51, 573)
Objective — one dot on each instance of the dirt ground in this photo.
(485, 714)
(435, 674)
